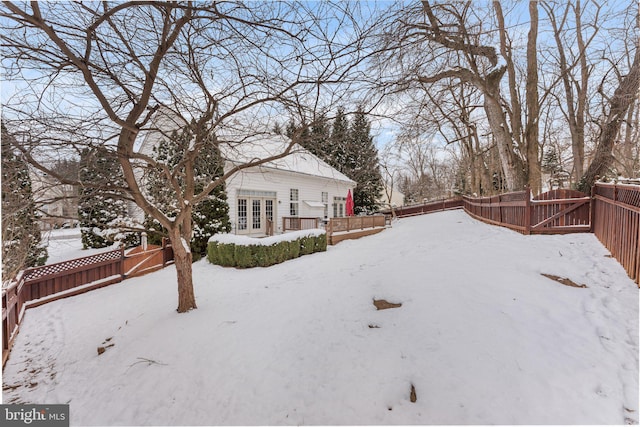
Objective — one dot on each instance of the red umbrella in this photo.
(349, 204)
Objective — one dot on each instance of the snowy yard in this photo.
(481, 335)
(66, 244)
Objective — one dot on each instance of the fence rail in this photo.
(508, 210)
(553, 212)
(433, 206)
(616, 214)
(39, 285)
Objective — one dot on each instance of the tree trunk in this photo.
(511, 163)
(622, 98)
(534, 176)
(182, 259)
(631, 137)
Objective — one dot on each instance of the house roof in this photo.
(236, 147)
(299, 160)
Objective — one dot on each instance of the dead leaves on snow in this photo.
(564, 280)
(382, 304)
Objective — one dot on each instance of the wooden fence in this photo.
(39, 285)
(553, 212)
(433, 206)
(616, 223)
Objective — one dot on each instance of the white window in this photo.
(339, 204)
(325, 202)
(242, 214)
(268, 209)
(294, 208)
(256, 214)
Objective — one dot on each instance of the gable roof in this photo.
(300, 160)
(237, 147)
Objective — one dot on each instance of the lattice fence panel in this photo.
(62, 267)
(629, 196)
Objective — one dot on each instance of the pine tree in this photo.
(302, 134)
(102, 210)
(21, 237)
(319, 138)
(550, 161)
(363, 165)
(210, 216)
(338, 143)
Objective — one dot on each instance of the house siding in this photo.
(310, 188)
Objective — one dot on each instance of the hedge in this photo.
(245, 252)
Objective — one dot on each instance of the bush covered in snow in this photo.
(230, 250)
(21, 238)
(102, 208)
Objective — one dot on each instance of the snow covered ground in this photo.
(481, 336)
(66, 244)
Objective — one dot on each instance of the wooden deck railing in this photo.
(39, 285)
(351, 223)
(294, 223)
(616, 223)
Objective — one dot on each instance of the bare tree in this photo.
(623, 98)
(447, 41)
(99, 74)
(576, 87)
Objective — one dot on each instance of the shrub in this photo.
(294, 249)
(320, 243)
(280, 252)
(244, 257)
(307, 245)
(244, 253)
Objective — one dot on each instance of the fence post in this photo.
(164, 252)
(592, 209)
(122, 272)
(527, 212)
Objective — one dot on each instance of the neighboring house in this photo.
(390, 197)
(57, 203)
(263, 198)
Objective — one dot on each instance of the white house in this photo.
(262, 199)
(390, 197)
(297, 186)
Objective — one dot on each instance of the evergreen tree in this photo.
(318, 142)
(21, 237)
(362, 165)
(278, 130)
(302, 134)
(338, 143)
(210, 216)
(102, 210)
(550, 161)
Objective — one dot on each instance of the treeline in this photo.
(345, 143)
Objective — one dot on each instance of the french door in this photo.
(255, 214)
